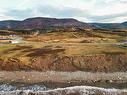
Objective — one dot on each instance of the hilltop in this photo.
(54, 23)
(42, 23)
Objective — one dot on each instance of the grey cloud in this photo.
(61, 13)
(106, 17)
(48, 10)
(19, 14)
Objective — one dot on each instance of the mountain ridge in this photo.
(44, 22)
(41, 22)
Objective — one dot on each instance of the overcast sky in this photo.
(83, 10)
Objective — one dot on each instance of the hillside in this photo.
(124, 24)
(110, 25)
(51, 23)
(42, 23)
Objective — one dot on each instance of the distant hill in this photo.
(41, 23)
(46, 23)
(9, 24)
(110, 25)
(124, 24)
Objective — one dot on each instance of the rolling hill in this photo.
(110, 25)
(46, 23)
(42, 23)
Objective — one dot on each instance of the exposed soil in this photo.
(50, 60)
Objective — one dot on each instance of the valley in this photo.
(46, 59)
(63, 47)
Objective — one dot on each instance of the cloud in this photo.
(19, 14)
(50, 11)
(108, 18)
(3, 15)
(84, 10)
(62, 12)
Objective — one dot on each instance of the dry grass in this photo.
(63, 45)
(61, 56)
(71, 49)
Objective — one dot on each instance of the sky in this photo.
(104, 11)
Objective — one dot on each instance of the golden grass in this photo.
(70, 49)
(70, 44)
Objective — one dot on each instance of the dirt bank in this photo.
(54, 62)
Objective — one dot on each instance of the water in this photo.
(36, 89)
(8, 87)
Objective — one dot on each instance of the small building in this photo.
(14, 41)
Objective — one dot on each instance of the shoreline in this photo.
(32, 77)
(76, 90)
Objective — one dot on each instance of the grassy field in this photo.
(66, 51)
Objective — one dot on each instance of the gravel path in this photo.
(36, 77)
